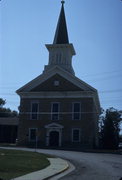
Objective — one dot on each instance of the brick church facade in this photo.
(57, 109)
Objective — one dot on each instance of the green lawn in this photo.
(17, 163)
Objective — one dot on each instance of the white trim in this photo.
(76, 112)
(79, 134)
(30, 134)
(51, 94)
(25, 90)
(54, 46)
(60, 55)
(55, 112)
(56, 70)
(53, 127)
(68, 94)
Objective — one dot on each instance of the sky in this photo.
(94, 28)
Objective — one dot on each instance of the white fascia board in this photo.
(56, 46)
(63, 94)
(56, 70)
(76, 81)
(97, 103)
(54, 125)
(35, 82)
(69, 94)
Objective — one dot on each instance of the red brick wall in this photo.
(87, 123)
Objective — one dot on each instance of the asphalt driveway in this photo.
(91, 166)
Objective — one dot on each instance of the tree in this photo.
(2, 102)
(6, 112)
(110, 128)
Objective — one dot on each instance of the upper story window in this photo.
(76, 111)
(34, 110)
(75, 135)
(55, 111)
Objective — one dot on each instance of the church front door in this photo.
(54, 138)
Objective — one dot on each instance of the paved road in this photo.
(91, 166)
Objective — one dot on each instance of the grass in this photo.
(17, 163)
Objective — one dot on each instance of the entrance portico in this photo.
(53, 134)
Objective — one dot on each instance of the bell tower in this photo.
(61, 51)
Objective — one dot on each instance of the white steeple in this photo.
(61, 51)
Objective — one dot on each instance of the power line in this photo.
(89, 75)
(8, 94)
(111, 91)
(104, 78)
(98, 79)
(103, 73)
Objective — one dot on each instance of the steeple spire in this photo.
(61, 34)
(61, 51)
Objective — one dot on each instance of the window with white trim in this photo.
(32, 134)
(34, 110)
(75, 135)
(55, 111)
(76, 111)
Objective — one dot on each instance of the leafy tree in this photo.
(2, 102)
(6, 112)
(110, 128)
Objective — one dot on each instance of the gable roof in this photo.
(60, 71)
(56, 70)
(51, 85)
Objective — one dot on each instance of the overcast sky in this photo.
(94, 28)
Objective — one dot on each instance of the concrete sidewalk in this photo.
(57, 165)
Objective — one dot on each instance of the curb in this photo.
(57, 166)
(70, 168)
(60, 171)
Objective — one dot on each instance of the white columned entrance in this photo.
(53, 127)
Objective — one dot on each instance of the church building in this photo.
(57, 109)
